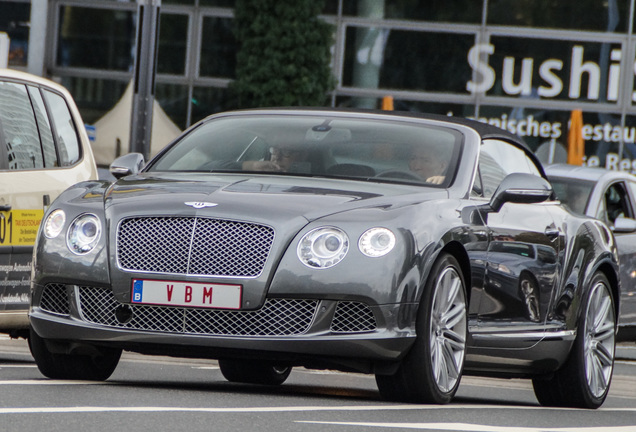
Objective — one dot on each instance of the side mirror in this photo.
(521, 188)
(624, 225)
(127, 164)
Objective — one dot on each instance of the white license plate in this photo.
(192, 294)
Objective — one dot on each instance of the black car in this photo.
(330, 239)
(611, 197)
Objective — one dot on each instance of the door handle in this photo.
(552, 232)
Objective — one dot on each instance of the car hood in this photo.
(266, 198)
(284, 204)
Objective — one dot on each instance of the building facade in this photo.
(524, 65)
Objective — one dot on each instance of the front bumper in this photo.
(308, 332)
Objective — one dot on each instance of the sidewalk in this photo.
(626, 351)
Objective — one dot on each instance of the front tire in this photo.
(254, 372)
(96, 367)
(432, 370)
(584, 380)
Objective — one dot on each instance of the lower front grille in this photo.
(277, 317)
(353, 317)
(55, 299)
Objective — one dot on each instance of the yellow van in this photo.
(44, 149)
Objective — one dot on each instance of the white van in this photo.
(44, 149)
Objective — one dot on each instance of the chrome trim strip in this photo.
(563, 334)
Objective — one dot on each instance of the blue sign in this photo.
(138, 288)
(91, 131)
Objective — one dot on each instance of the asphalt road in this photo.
(164, 394)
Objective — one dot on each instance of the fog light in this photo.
(123, 314)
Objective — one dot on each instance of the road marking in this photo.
(466, 427)
(45, 381)
(8, 366)
(87, 409)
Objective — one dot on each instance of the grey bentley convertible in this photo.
(416, 248)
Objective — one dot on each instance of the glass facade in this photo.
(90, 37)
(218, 48)
(601, 16)
(524, 65)
(14, 21)
(173, 44)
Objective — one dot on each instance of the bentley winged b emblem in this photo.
(200, 204)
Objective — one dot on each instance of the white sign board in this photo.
(4, 50)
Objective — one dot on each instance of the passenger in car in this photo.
(429, 163)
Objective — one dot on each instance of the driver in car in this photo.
(281, 159)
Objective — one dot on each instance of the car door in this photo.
(619, 201)
(522, 256)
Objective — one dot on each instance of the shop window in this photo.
(550, 69)
(217, 3)
(173, 99)
(209, 100)
(459, 11)
(218, 48)
(406, 60)
(94, 96)
(178, 2)
(591, 15)
(173, 47)
(441, 108)
(14, 20)
(96, 38)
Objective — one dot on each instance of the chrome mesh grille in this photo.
(198, 246)
(55, 299)
(277, 317)
(353, 317)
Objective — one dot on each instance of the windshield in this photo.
(318, 146)
(574, 193)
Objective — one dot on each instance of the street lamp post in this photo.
(144, 76)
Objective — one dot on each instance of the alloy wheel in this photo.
(599, 340)
(448, 330)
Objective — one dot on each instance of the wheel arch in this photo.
(610, 273)
(459, 253)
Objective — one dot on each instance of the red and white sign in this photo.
(192, 294)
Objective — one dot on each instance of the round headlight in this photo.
(54, 223)
(84, 234)
(323, 247)
(376, 242)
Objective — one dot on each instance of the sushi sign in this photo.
(553, 79)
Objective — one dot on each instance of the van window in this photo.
(65, 132)
(18, 128)
(46, 135)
